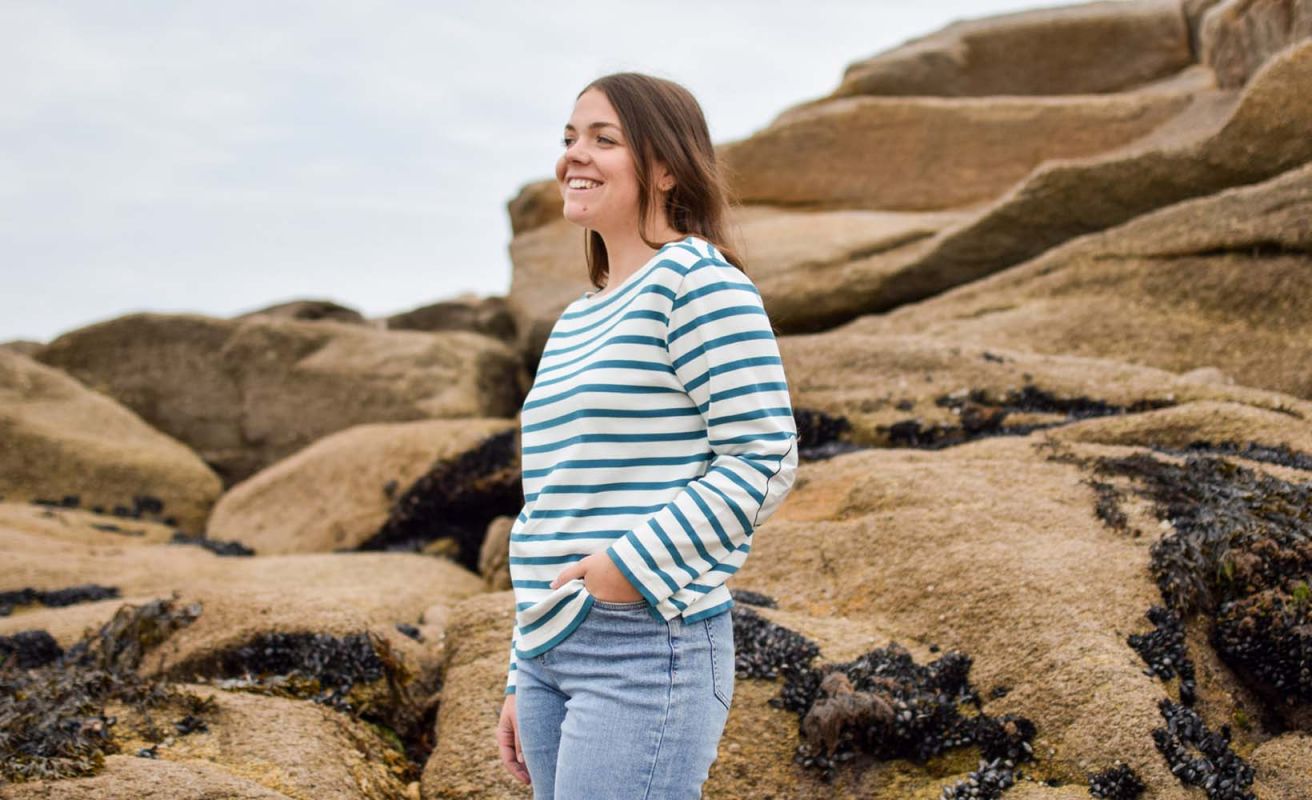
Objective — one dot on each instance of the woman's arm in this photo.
(724, 352)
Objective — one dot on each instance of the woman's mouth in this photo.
(583, 188)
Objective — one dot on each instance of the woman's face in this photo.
(602, 154)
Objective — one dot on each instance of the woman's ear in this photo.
(664, 178)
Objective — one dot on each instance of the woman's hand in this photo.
(601, 578)
(512, 755)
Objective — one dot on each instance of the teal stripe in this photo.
(676, 436)
(618, 463)
(545, 618)
(642, 552)
(611, 388)
(560, 637)
(762, 413)
(732, 366)
(621, 339)
(633, 579)
(567, 537)
(572, 513)
(710, 612)
(691, 533)
(673, 551)
(723, 341)
(565, 559)
(711, 518)
(737, 511)
(582, 488)
(714, 316)
(613, 363)
(614, 413)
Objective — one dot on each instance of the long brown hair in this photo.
(664, 122)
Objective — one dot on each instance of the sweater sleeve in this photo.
(512, 668)
(725, 355)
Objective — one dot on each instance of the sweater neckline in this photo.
(590, 297)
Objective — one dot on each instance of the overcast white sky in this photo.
(219, 157)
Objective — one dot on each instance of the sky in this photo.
(217, 158)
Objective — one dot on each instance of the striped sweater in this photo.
(659, 427)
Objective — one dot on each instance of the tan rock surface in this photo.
(932, 153)
(61, 438)
(244, 394)
(1265, 135)
(127, 777)
(331, 494)
(989, 548)
(878, 381)
(1083, 48)
(1237, 36)
(791, 256)
(1219, 281)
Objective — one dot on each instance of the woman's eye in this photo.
(565, 141)
(604, 139)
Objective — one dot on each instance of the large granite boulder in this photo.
(244, 394)
(1222, 281)
(1237, 37)
(338, 492)
(1085, 48)
(995, 549)
(924, 153)
(63, 441)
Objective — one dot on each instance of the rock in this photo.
(334, 493)
(1237, 37)
(789, 254)
(931, 153)
(24, 347)
(308, 310)
(536, 204)
(1262, 137)
(1086, 48)
(1284, 767)
(127, 777)
(301, 748)
(999, 529)
(1219, 281)
(337, 597)
(493, 559)
(900, 389)
(488, 316)
(63, 440)
(245, 394)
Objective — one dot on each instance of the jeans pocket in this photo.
(722, 656)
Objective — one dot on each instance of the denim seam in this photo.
(716, 667)
(669, 702)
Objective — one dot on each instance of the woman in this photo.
(657, 436)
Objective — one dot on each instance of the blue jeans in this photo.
(626, 707)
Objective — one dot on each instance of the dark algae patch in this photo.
(983, 415)
(881, 705)
(357, 674)
(218, 547)
(455, 500)
(822, 436)
(1163, 650)
(1116, 783)
(1237, 557)
(52, 713)
(143, 506)
(1200, 757)
(55, 598)
(313, 666)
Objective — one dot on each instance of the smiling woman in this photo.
(657, 436)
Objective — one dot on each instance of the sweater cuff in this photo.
(626, 554)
